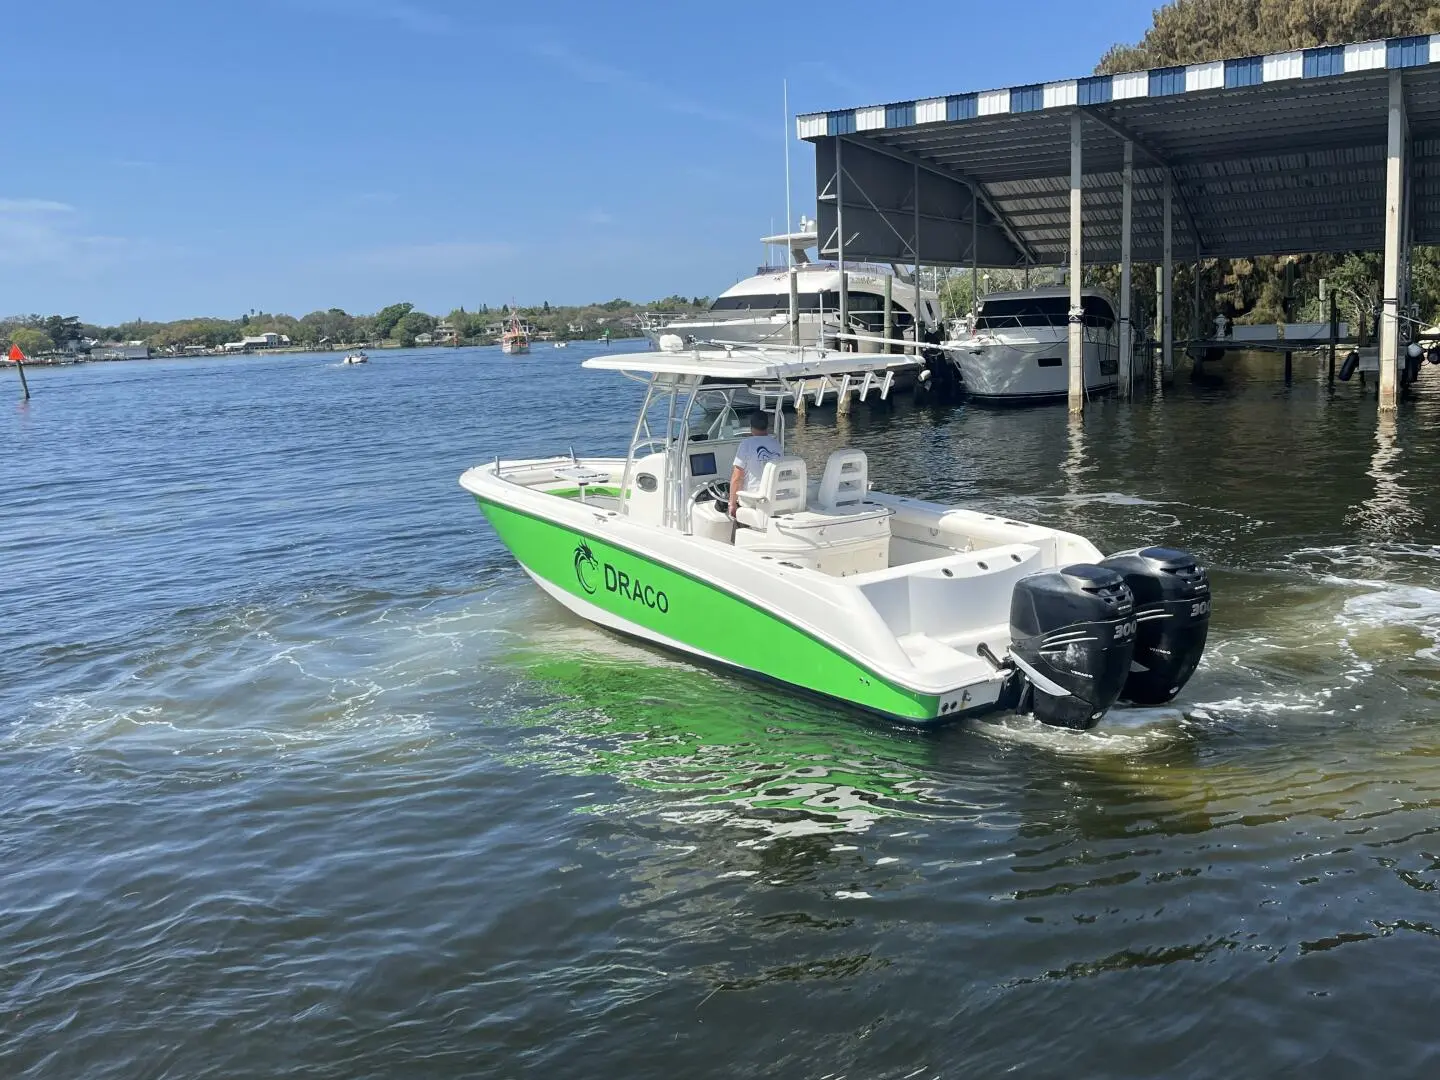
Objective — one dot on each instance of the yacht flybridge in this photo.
(756, 310)
(911, 609)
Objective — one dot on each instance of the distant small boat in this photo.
(356, 358)
(514, 340)
(562, 344)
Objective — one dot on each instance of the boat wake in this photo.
(1123, 731)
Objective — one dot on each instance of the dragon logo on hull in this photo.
(591, 573)
(585, 564)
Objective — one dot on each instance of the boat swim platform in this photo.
(1327, 149)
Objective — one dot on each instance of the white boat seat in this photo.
(782, 490)
(844, 483)
(838, 544)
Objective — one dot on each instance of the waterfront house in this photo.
(120, 350)
(268, 340)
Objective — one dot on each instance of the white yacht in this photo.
(756, 310)
(1017, 347)
(356, 358)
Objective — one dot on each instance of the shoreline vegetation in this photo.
(65, 338)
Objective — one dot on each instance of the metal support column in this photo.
(1167, 272)
(840, 243)
(1127, 343)
(1077, 269)
(916, 246)
(1395, 168)
(974, 250)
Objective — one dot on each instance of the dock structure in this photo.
(1329, 149)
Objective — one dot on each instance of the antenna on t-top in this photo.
(785, 97)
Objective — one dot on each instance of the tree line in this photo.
(401, 323)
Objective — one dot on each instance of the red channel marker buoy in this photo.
(17, 357)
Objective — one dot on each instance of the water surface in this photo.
(300, 776)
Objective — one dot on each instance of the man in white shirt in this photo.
(751, 457)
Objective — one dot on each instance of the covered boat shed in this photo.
(1320, 150)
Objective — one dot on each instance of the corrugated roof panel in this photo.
(1166, 81)
(1407, 52)
(1060, 94)
(1094, 91)
(1247, 72)
(870, 119)
(1280, 66)
(930, 111)
(961, 106)
(900, 115)
(1027, 98)
(993, 102)
(1204, 77)
(1270, 166)
(1130, 85)
(1329, 60)
(810, 127)
(1365, 56)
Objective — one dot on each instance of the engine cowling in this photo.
(1172, 614)
(1072, 637)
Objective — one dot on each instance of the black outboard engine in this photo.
(1172, 613)
(1072, 635)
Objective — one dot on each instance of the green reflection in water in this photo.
(722, 746)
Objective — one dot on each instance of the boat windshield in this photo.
(719, 417)
(1009, 312)
(809, 303)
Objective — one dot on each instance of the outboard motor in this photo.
(1172, 613)
(1072, 635)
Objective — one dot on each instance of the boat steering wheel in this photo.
(719, 490)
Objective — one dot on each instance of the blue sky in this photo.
(185, 157)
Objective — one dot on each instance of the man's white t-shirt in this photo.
(752, 455)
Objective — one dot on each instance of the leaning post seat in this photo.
(844, 483)
(781, 491)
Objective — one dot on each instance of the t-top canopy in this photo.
(749, 365)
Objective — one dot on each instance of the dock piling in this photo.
(1127, 343)
(1077, 268)
(1334, 334)
(1395, 165)
(1167, 272)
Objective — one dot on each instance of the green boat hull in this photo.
(635, 594)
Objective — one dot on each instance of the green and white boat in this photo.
(913, 610)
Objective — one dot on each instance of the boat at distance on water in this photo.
(914, 610)
(356, 358)
(515, 339)
(1015, 352)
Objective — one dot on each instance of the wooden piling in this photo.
(1334, 336)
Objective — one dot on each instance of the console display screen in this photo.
(702, 465)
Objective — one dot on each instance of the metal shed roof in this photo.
(1268, 155)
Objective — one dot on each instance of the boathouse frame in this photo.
(1330, 149)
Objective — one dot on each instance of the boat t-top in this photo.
(914, 610)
